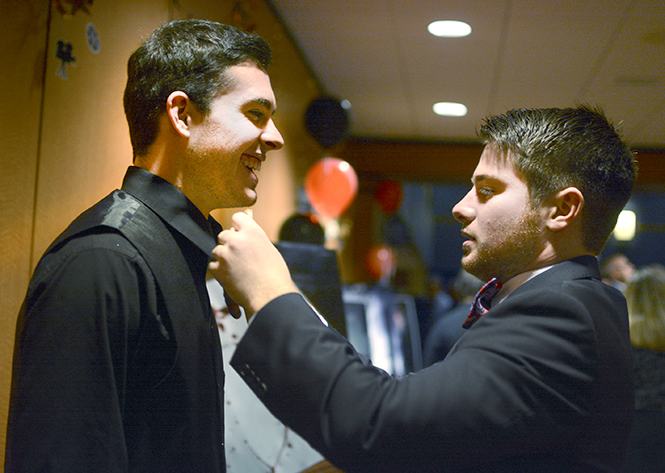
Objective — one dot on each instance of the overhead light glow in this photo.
(449, 29)
(625, 227)
(449, 109)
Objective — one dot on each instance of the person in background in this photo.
(302, 228)
(617, 270)
(540, 383)
(118, 365)
(447, 327)
(437, 301)
(645, 295)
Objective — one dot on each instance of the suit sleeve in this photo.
(72, 349)
(524, 371)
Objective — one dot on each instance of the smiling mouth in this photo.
(251, 162)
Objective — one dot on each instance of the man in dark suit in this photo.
(539, 383)
(118, 364)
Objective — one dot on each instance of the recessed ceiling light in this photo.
(449, 109)
(449, 28)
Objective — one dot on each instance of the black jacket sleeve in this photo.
(521, 382)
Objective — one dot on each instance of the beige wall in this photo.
(65, 142)
(23, 41)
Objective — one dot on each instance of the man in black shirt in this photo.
(118, 365)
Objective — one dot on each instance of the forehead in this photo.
(496, 164)
(248, 82)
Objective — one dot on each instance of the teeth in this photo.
(251, 162)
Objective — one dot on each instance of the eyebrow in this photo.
(481, 177)
(265, 103)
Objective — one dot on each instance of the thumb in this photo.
(232, 306)
(240, 220)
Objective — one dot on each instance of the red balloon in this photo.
(380, 261)
(331, 185)
(389, 196)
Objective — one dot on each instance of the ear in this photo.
(178, 107)
(564, 208)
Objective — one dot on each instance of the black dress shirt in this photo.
(106, 377)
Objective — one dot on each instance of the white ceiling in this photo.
(378, 55)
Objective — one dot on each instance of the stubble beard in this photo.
(508, 257)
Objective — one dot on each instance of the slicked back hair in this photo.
(191, 56)
(556, 148)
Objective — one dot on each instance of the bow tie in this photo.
(481, 303)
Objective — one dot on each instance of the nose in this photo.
(463, 211)
(271, 137)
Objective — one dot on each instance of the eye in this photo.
(257, 114)
(485, 192)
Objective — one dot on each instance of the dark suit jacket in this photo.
(540, 383)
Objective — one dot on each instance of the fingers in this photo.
(249, 267)
(240, 220)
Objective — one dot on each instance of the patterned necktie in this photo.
(481, 303)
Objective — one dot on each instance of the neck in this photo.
(161, 165)
(553, 252)
(564, 247)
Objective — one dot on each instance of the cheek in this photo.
(217, 134)
(501, 228)
(495, 220)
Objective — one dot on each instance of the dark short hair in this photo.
(186, 55)
(301, 228)
(555, 148)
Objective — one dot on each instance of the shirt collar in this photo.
(515, 282)
(173, 207)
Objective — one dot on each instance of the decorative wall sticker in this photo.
(64, 53)
(92, 38)
(241, 18)
(76, 5)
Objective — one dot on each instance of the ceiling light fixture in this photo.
(449, 109)
(449, 29)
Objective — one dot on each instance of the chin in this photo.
(471, 266)
(247, 199)
(467, 266)
(251, 199)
